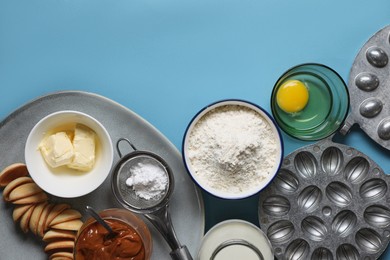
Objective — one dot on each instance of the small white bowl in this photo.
(63, 181)
(208, 183)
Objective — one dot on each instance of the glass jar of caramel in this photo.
(132, 240)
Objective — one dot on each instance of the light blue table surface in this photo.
(165, 60)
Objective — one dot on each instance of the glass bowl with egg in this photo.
(232, 149)
(310, 101)
(68, 153)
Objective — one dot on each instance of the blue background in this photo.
(165, 60)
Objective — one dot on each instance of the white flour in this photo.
(232, 149)
(148, 181)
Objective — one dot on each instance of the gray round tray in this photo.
(369, 89)
(186, 205)
(328, 201)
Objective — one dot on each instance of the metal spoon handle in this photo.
(96, 216)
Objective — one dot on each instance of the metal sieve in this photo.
(155, 210)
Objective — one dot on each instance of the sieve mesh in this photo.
(127, 195)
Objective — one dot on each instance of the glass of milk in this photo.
(235, 239)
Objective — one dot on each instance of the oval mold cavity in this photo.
(368, 240)
(344, 223)
(377, 216)
(339, 193)
(367, 81)
(384, 129)
(276, 206)
(286, 182)
(280, 231)
(305, 164)
(314, 228)
(297, 250)
(322, 254)
(356, 170)
(370, 107)
(373, 189)
(377, 57)
(347, 252)
(331, 160)
(309, 199)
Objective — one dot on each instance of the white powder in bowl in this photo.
(232, 149)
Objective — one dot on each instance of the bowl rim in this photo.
(345, 89)
(28, 150)
(141, 224)
(247, 104)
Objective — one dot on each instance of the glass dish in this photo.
(128, 219)
(327, 106)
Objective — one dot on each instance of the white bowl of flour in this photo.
(232, 149)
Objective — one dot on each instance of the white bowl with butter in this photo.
(69, 154)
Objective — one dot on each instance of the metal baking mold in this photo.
(328, 201)
(369, 89)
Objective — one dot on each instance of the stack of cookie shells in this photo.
(56, 224)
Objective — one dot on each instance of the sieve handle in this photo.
(161, 219)
(125, 140)
(181, 253)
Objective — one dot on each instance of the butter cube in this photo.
(57, 149)
(84, 148)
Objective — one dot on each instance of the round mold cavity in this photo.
(370, 107)
(366, 81)
(356, 170)
(297, 249)
(326, 211)
(305, 163)
(377, 216)
(331, 160)
(339, 193)
(344, 223)
(276, 206)
(377, 57)
(347, 252)
(322, 254)
(309, 199)
(280, 231)
(314, 228)
(384, 129)
(368, 240)
(373, 189)
(286, 182)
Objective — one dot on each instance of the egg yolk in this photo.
(292, 96)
